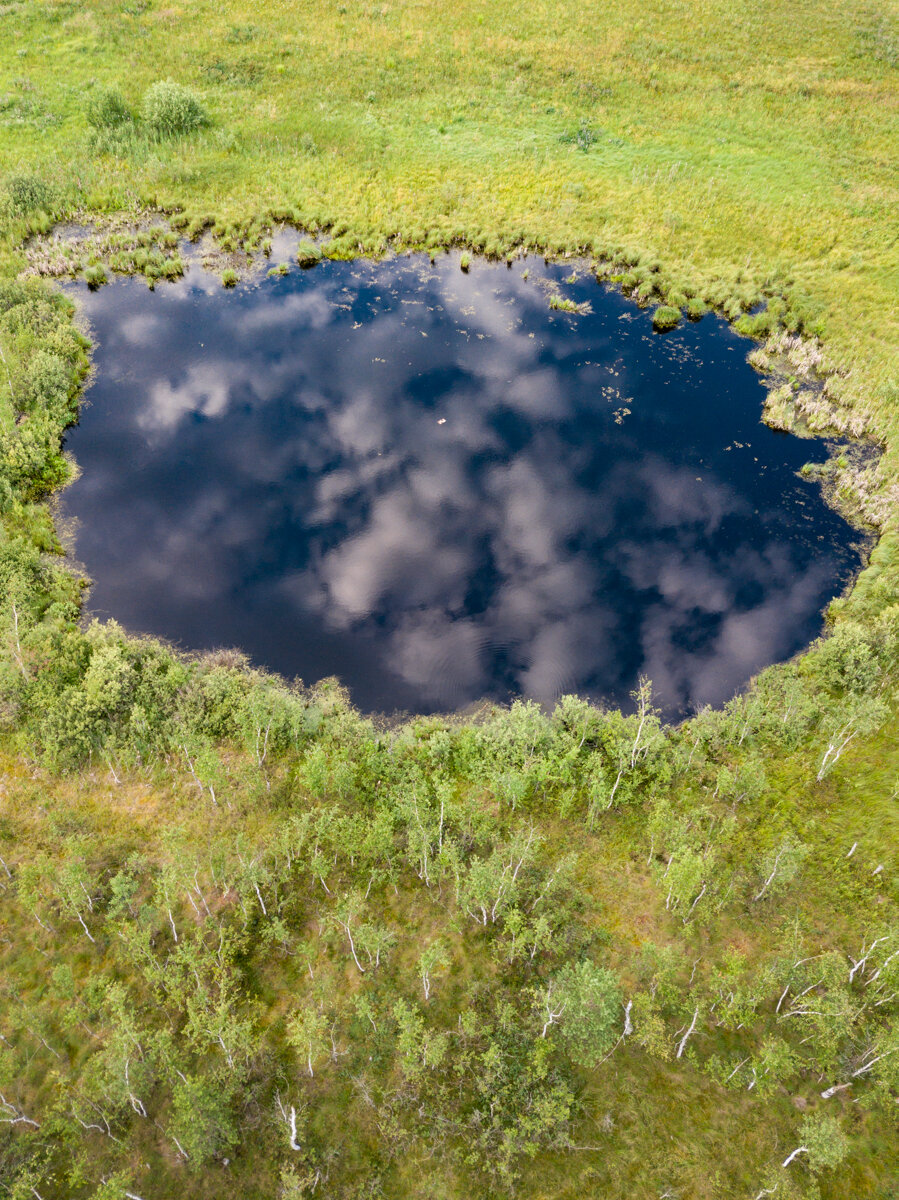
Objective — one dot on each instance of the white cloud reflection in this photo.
(428, 495)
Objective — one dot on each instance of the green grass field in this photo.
(172, 898)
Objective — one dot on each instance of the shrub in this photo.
(169, 109)
(583, 137)
(106, 109)
(28, 194)
(46, 383)
(665, 317)
(846, 661)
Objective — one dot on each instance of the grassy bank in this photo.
(255, 944)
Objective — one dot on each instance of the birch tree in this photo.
(489, 885)
(432, 961)
(307, 1031)
(844, 724)
(584, 1000)
(822, 1142)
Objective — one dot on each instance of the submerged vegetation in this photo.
(256, 944)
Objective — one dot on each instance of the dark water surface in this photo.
(434, 487)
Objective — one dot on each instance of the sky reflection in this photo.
(427, 483)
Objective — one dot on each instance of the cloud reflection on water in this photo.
(429, 485)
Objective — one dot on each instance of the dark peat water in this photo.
(436, 488)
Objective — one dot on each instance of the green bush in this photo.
(847, 661)
(583, 137)
(28, 194)
(229, 278)
(106, 109)
(47, 382)
(169, 109)
(665, 317)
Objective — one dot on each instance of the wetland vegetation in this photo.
(255, 943)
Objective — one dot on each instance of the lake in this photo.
(431, 485)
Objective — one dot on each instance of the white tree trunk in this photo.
(790, 1157)
(628, 1023)
(686, 1036)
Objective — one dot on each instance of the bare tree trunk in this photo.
(19, 656)
(770, 878)
(799, 1150)
(686, 1036)
(18, 1116)
(866, 954)
(837, 1087)
(84, 927)
(346, 927)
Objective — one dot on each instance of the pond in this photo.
(435, 487)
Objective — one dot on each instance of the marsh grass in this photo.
(308, 254)
(665, 317)
(106, 109)
(95, 275)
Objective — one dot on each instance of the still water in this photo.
(431, 485)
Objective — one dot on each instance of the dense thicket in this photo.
(255, 944)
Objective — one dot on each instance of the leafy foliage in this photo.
(169, 109)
